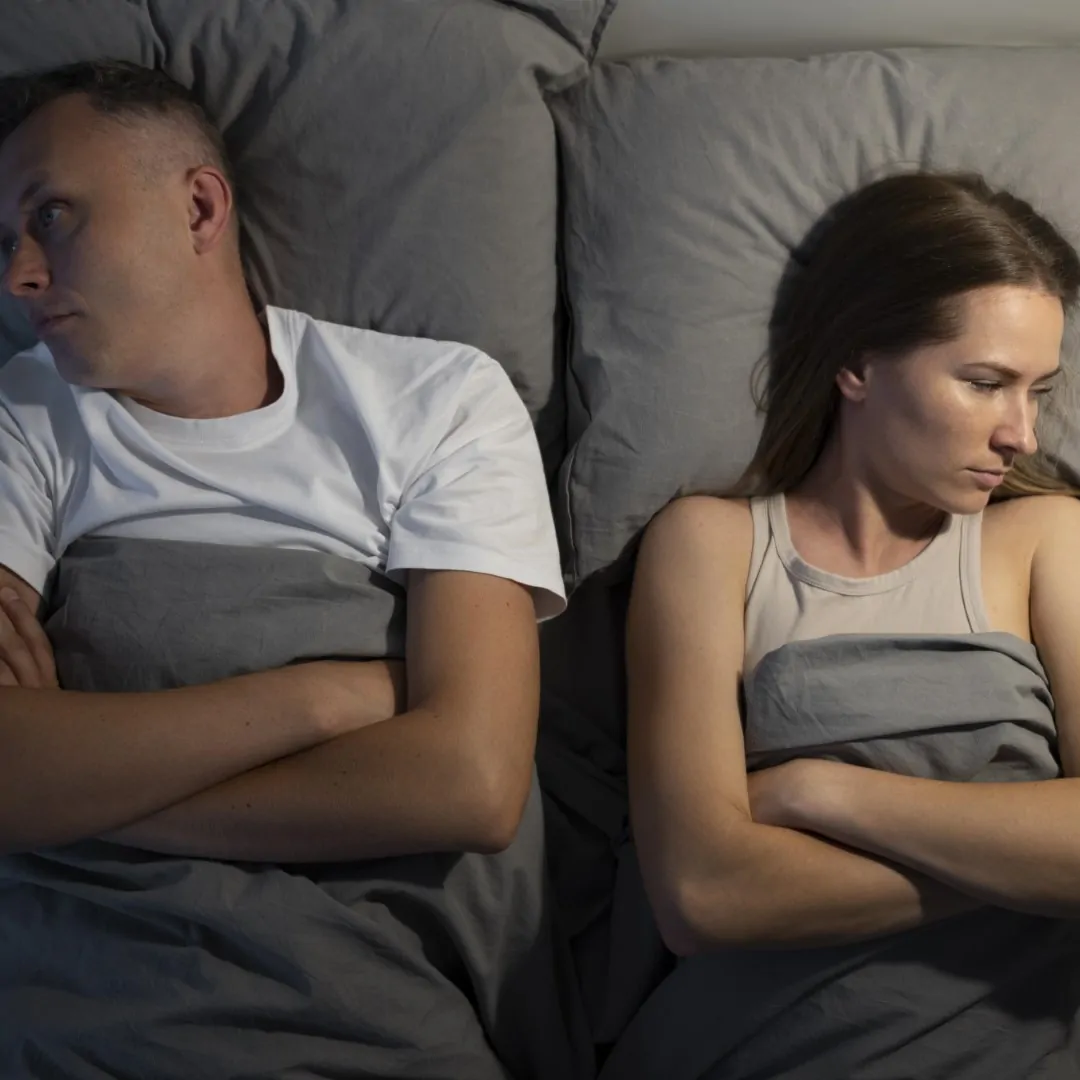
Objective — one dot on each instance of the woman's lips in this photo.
(988, 479)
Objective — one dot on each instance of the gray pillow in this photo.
(687, 186)
(396, 159)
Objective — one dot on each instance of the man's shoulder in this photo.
(408, 361)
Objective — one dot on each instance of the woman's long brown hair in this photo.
(883, 274)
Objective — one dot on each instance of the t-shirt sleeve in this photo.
(27, 520)
(480, 501)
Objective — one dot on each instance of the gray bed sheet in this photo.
(121, 963)
(990, 994)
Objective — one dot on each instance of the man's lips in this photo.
(44, 323)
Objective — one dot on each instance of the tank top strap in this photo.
(971, 588)
(759, 513)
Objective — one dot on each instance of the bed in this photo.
(612, 232)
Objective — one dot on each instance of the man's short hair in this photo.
(117, 89)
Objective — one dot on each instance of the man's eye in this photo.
(48, 215)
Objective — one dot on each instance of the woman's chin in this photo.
(965, 501)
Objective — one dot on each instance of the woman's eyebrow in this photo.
(1012, 373)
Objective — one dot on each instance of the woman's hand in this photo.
(792, 795)
(26, 656)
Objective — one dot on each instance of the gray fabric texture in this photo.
(688, 186)
(395, 158)
(993, 993)
(581, 760)
(119, 962)
(800, 705)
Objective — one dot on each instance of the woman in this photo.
(896, 490)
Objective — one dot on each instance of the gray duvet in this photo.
(991, 995)
(118, 963)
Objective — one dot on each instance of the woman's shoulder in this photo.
(695, 529)
(689, 518)
(1025, 522)
(691, 573)
(1016, 532)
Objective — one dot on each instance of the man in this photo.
(160, 404)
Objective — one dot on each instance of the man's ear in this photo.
(853, 379)
(210, 207)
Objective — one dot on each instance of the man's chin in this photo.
(76, 369)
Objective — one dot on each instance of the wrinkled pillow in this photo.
(688, 183)
(396, 159)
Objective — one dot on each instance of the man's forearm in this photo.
(786, 889)
(411, 784)
(1016, 845)
(74, 765)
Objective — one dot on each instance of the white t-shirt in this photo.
(403, 453)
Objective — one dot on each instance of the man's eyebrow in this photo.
(1012, 373)
(30, 192)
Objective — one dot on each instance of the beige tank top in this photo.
(937, 592)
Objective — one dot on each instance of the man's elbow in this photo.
(493, 837)
(497, 795)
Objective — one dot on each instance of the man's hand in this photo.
(353, 694)
(26, 656)
(452, 772)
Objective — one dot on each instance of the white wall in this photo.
(792, 27)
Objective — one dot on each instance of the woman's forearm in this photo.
(1015, 845)
(779, 888)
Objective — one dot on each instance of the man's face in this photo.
(92, 244)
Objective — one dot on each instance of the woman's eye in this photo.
(984, 386)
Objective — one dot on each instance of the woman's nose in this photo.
(1018, 432)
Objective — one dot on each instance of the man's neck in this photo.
(227, 368)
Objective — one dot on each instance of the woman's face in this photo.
(943, 424)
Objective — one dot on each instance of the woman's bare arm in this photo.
(714, 876)
(1015, 845)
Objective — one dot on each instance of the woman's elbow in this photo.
(677, 916)
(679, 935)
(695, 916)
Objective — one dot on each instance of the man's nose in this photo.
(27, 273)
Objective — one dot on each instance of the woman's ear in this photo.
(853, 378)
